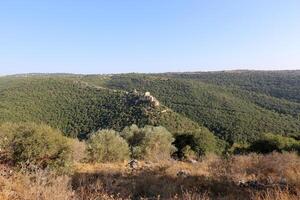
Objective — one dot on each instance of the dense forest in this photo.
(280, 84)
(237, 106)
(77, 108)
(232, 113)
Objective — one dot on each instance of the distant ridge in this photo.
(187, 72)
(43, 74)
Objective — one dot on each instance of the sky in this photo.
(118, 36)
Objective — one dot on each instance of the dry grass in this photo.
(40, 185)
(78, 150)
(212, 178)
(271, 168)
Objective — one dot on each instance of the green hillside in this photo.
(280, 84)
(232, 113)
(236, 106)
(78, 108)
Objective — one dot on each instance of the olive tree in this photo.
(107, 146)
(200, 142)
(153, 143)
(36, 144)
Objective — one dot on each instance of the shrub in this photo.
(38, 145)
(133, 135)
(270, 142)
(6, 136)
(107, 146)
(150, 142)
(200, 141)
(188, 153)
(157, 143)
(7, 133)
(237, 148)
(205, 141)
(78, 150)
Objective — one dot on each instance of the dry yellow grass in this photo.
(212, 178)
(38, 185)
(275, 195)
(273, 168)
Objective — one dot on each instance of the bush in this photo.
(188, 153)
(270, 142)
(38, 145)
(133, 135)
(152, 143)
(201, 142)
(6, 136)
(78, 149)
(157, 143)
(237, 148)
(107, 146)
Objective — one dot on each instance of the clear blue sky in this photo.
(110, 36)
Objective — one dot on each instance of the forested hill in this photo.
(237, 106)
(280, 84)
(79, 108)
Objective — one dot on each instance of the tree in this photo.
(107, 146)
(273, 142)
(152, 143)
(37, 144)
(200, 141)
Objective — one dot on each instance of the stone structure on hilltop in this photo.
(146, 97)
(152, 99)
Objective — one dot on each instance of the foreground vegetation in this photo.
(271, 177)
(38, 162)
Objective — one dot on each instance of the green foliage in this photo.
(78, 108)
(133, 135)
(205, 141)
(39, 145)
(152, 143)
(237, 148)
(107, 146)
(157, 143)
(174, 122)
(221, 146)
(271, 142)
(7, 132)
(234, 114)
(236, 106)
(200, 141)
(189, 153)
(280, 84)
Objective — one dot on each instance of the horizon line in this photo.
(166, 72)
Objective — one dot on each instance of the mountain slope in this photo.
(233, 114)
(78, 108)
(279, 84)
(237, 106)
